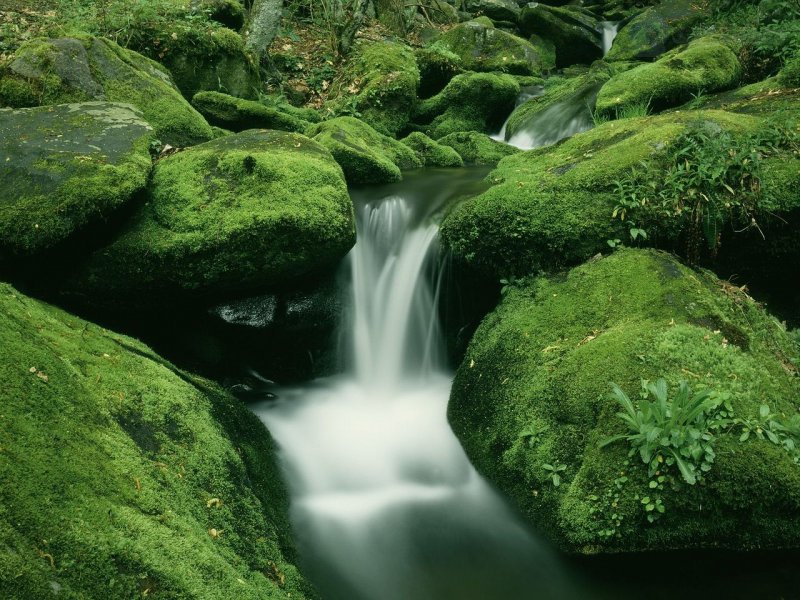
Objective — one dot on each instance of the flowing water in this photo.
(385, 504)
(609, 31)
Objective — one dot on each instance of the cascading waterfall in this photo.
(609, 30)
(385, 504)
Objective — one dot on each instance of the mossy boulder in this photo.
(562, 110)
(470, 102)
(496, 10)
(705, 65)
(432, 153)
(437, 66)
(383, 85)
(768, 98)
(230, 13)
(477, 148)
(574, 31)
(532, 398)
(552, 206)
(658, 29)
(66, 167)
(257, 209)
(200, 57)
(123, 476)
(59, 71)
(238, 114)
(485, 48)
(365, 155)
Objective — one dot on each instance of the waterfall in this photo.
(609, 30)
(385, 504)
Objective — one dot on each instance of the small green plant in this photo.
(676, 431)
(532, 434)
(605, 509)
(555, 471)
(771, 427)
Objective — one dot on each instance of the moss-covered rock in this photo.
(497, 10)
(383, 90)
(485, 48)
(705, 65)
(656, 30)
(58, 71)
(365, 155)
(65, 167)
(477, 148)
(230, 13)
(576, 96)
(437, 66)
(237, 114)
(470, 102)
(210, 59)
(254, 209)
(552, 206)
(765, 98)
(574, 31)
(432, 153)
(533, 392)
(121, 476)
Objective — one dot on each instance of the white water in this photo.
(609, 29)
(385, 504)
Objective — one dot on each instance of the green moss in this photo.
(431, 153)
(484, 21)
(657, 29)
(115, 467)
(88, 68)
(365, 155)
(705, 65)
(470, 102)
(437, 66)
(385, 77)
(477, 148)
(768, 98)
(484, 48)
(254, 209)
(543, 362)
(552, 206)
(237, 114)
(66, 167)
(790, 74)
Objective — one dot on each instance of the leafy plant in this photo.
(664, 431)
(771, 427)
(532, 433)
(555, 471)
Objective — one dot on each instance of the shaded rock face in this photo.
(705, 65)
(58, 71)
(533, 392)
(122, 462)
(365, 155)
(484, 48)
(656, 30)
(574, 32)
(66, 167)
(256, 209)
(496, 10)
(470, 102)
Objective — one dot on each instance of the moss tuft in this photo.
(237, 114)
(432, 153)
(477, 148)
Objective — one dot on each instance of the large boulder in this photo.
(365, 155)
(470, 102)
(67, 167)
(497, 10)
(574, 31)
(382, 80)
(656, 30)
(531, 405)
(122, 476)
(484, 48)
(705, 65)
(437, 66)
(257, 209)
(477, 148)
(553, 206)
(58, 71)
(238, 114)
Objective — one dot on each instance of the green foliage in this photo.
(627, 111)
(709, 177)
(554, 472)
(784, 432)
(676, 431)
